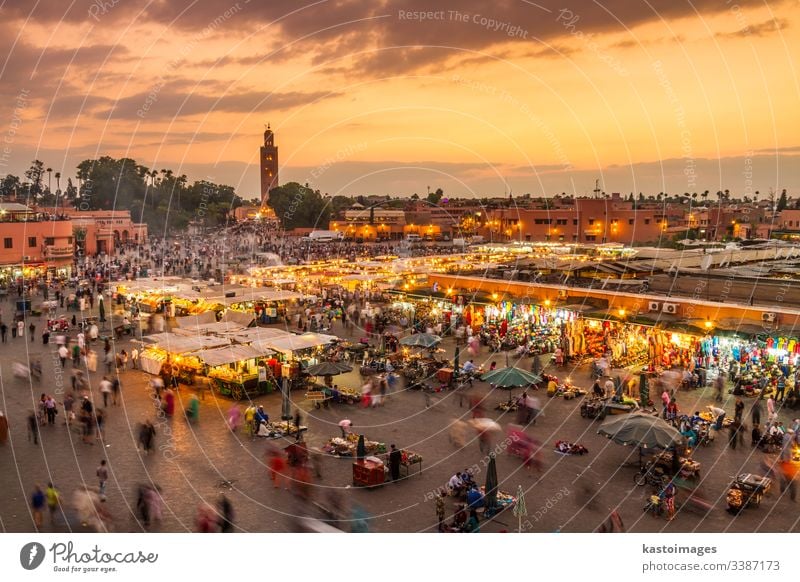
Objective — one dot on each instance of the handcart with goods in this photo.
(747, 490)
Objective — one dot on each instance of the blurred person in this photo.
(225, 514)
(102, 478)
(53, 501)
(38, 502)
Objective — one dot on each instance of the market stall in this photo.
(234, 370)
(347, 446)
(172, 348)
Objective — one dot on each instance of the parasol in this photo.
(510, 377)
(491, 487)
(520, 510)
(641, 430)
(422, 340)
(329, 369)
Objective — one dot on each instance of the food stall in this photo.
(233, 370)
(346, 447)
(175, 349)
(303, 349)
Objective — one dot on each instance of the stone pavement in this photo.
(193, 463)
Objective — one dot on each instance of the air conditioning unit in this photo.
(230, 294)
(654, 306)
(769, 317)
(27, 259)
(670, 308)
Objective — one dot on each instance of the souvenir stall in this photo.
(234, 370)
(538, 327)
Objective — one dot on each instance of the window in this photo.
(50, 241)
(575, 237)
(647, 221)
(542, 221)
(590, 238)
(614, 222)
(574, 222)
(32, 242)
(561, 221)
(69, 240)
(8, 243)
(591, 222)
(630, 221)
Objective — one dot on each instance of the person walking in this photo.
(115, 388)
(225, 510)
(3, 331)
(738, 410)
(50, 410)
(62, 356)
(102, 478)
(21, 328)
(135, 359)
(755, 412)
(32, 331)
(780, 388)
(38, 502)
(53, 501)
(33, 428)
(105, 390)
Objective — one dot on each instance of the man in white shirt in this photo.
(469, 367)
(62, 355)
(719, 416)
(455, 484)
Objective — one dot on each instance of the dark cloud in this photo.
(394, 30)
(764, 28)
(166, 103)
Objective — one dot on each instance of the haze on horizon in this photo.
(370, 98)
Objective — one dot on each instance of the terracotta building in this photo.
(33, 244)
(103, 231)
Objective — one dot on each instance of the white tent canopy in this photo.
(196, 320)
(177, 344)
(292, 343)
(220, 327)
(240, 318)
(229, 354)
(256, 334)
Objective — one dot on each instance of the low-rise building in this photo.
(33, 244)
(104, 231)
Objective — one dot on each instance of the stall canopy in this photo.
(256, 334)
(196, 320)
(218, 327)
(292, 343)
(240, 318)
(177, 344)
(229, 354)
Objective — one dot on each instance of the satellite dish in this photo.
(706, 264)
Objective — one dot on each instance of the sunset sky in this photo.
(368, 98)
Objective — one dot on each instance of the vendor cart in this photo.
(319, 398)
(747, 490)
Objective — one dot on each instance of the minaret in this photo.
(269, 164)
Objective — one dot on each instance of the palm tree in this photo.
(49, 176)
(58, 182)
